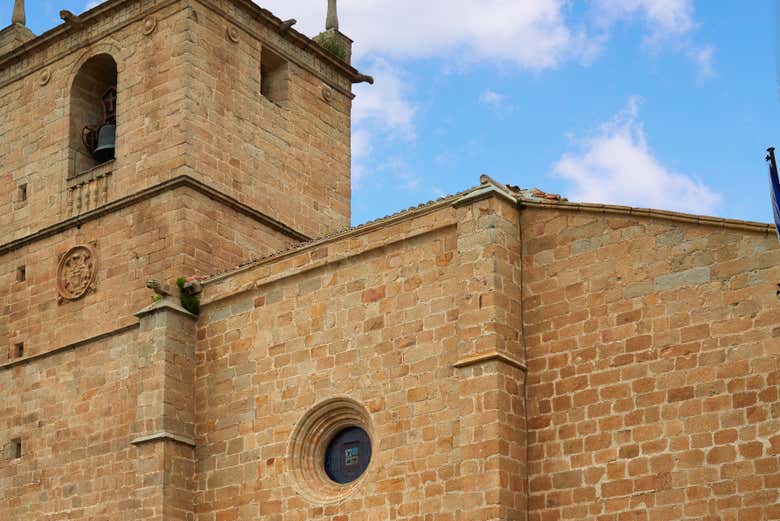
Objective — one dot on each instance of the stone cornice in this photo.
(65, 39)
(295, 38)
(74, 345)
(492, 356)
(130, 200)
(665, 215)
(164, 436)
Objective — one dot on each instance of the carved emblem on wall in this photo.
(76, 273)
(150, 24)
(327, 93)
(44, 78)
(232, 34)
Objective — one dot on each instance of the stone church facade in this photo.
(499, 354)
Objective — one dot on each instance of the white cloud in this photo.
(382, 111)
(665, 18)
(529, 34)
(93, 3)
(492, 99)
(669, 23)
(386, 103)
(532, 34)
(702, 57)
(616, 166)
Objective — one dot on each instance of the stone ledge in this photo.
(492, 356)
(164, 436)
(484, 192)
(147, 193)
(101, 170)
(74, 345)
(59, 41)
(166, 304)
(649, 213)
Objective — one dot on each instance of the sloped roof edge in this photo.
(529, 198)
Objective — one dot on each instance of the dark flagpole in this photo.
(774, 187)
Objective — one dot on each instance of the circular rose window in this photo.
(348, 455)
(330, 450)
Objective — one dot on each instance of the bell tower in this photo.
(160, 140)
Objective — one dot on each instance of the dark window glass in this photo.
(348, 455)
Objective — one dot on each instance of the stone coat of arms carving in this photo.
(76, 273)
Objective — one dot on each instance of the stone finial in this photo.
(332, 21)
(18, 16)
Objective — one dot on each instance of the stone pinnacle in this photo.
(18, 16)
(332, 21)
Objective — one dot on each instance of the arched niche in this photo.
(90, 90)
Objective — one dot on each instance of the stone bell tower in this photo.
(159, 139)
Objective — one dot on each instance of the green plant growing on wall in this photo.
(333, 45)
(189, 302)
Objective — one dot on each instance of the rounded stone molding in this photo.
(327, 93)
(150, 24)
(44, 78)
(76, 272)
(232, 34)
(310, 441)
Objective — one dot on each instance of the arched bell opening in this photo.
(93, 121)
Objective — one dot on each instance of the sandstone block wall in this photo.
(652, 376)
(653, 369)
(384, 318)
(290, 160)
(379, 328)
(176, 233)
(74, 413)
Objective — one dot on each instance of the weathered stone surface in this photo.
(651, 345)
(688, 278)
(634, 377)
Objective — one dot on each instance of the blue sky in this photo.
(657, 103)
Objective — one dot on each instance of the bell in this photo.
(106, 144)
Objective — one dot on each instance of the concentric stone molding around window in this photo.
(309, 442)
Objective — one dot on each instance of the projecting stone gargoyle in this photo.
(164, 290)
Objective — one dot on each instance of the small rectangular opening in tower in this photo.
(18, 350)
(274, 77)
(21, 195)
(16, 448)
(21, 273)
